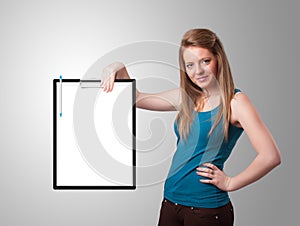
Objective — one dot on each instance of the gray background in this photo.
(42, 39)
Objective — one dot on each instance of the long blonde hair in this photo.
(191, 93)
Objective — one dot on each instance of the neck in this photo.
(211, 92)
(209, 101)
(212, 89)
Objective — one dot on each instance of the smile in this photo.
(202, 78)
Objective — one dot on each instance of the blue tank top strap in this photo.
(237, 91)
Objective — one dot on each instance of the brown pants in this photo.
(172, 214)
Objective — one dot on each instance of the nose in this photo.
(199, 69)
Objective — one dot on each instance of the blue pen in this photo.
(60, 95)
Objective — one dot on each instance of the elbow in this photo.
(277, 158)
(119, 65)
(274, 160)
(271, 160)
(277, 161)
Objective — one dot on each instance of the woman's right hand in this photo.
(113, 71)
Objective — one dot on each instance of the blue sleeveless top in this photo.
(183, 185)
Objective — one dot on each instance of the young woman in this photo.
(212, 114)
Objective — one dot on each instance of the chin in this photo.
(202, 85)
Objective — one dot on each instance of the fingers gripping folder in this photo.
(94, 144)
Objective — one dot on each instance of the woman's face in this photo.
(201, 66)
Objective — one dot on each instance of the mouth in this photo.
(202, 78)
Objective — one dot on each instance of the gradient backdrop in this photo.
(42, 39)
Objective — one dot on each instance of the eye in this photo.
(205, 61)
(189, 66)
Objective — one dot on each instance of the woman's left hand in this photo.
(215, 176)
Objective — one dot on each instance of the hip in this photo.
(175, 214)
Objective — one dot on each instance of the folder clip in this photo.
(90, 83)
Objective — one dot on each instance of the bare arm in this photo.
(268, 156)
(164, 101)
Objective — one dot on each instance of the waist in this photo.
(189, 191)
(226, 206)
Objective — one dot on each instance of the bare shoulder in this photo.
(243, 111)
(241, 105)
(240, 99)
